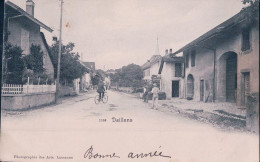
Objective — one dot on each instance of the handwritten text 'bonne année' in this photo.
(90, 154)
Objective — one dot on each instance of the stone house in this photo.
(171, 74)
(223, 64)
(151, 68)
(24, 30)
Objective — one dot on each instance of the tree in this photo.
(128, 76)
(70, 67)
(95, 79)
(14, 68)
(251, 11)
(100, 75)
(34, 61)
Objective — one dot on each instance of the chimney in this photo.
(170, 51)
(30, 7)
(166, 52)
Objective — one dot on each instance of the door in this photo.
(231, 78)
(175, 88)
(201, 90)
(245, 87)
(190, 86)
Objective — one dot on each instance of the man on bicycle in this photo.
(101, 89)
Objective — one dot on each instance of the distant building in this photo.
(223, 64)
(24, 31)
(171, 73)
(85, 80)
(90, 65)
(151, 67)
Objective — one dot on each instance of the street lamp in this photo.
(59, 55)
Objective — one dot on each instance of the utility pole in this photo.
(3, 70)
(59, 55)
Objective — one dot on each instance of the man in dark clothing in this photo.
(101, 90)
(145, 95)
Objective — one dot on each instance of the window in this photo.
(178, 70)
(187, 60)
(245, 39)
(193, 54)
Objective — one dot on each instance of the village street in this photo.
(71, 128)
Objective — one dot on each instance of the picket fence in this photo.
(27, 89)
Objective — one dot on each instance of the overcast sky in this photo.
(115, 33)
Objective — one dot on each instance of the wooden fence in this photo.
(27, 89)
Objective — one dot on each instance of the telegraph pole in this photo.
(59, 55)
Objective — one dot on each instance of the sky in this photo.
(115, 33)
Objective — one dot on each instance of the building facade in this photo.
(24, 30)
(151, 67)
(85, 80)
(171, 74)
(223, 64)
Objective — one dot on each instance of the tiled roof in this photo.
(90, 65)
(171, 59)
(47, 47)
(154, 59)
(236, 19)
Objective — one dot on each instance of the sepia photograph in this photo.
(129, 81)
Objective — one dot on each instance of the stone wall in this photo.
(252, 113)
(26, 101)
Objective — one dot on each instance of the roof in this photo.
(90, 65)
(154, 59)
(47, 47)
(82, 63)
(170, 58)
(27, 15)
(236, 19)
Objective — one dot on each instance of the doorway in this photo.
(245, 88)
(175, 88)
(231, 78)
(201, 90)
(190, 86)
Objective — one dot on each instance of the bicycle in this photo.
(104, 99)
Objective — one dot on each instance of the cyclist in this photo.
(101, 89)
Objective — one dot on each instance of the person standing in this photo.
(101, 89)
(145, 96)
(155, 92)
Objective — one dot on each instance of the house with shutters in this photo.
(171, 75)
(223, 64)
(24, 30)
